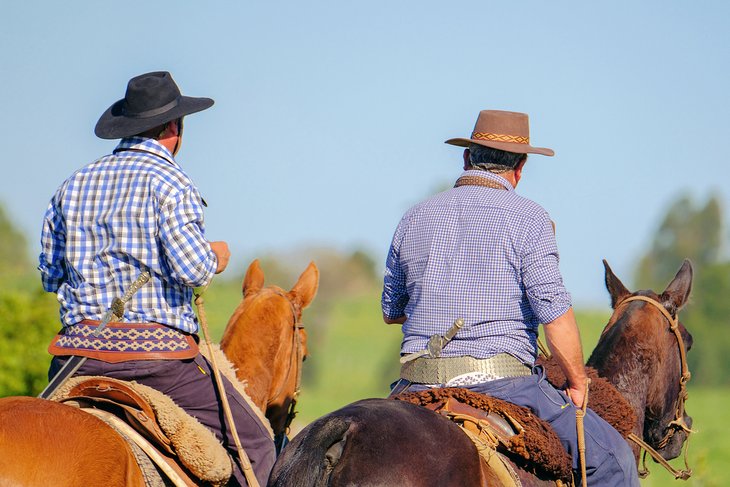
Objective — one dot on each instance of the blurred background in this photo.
(329, 123)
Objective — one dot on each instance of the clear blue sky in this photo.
(330, 117)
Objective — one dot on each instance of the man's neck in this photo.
(511, 177)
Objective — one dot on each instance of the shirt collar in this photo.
(489, 175)
(144, 144)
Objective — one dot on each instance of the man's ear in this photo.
(466, 159)
(518, 168)
(172, 128)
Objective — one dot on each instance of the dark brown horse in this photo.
(642, 353)
(381, 442)
(44, 443)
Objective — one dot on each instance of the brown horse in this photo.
(45, 443)
(381, 442)
(644, 357)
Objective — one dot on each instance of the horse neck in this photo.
(254, 341)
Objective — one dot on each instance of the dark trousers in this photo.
(609, 459)
(191, 385)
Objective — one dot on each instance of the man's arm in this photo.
(53, 245)
(563, 339)
(394, 321)
(191, 258)
(395, 295)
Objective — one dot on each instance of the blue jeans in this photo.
(609, 459)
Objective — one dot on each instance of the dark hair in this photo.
(493, 160)
(154, 132)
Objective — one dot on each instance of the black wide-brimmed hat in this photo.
(151, 99)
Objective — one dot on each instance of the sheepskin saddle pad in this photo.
(528, 441)
(158, 419)
(521, 436)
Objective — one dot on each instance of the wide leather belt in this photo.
(442, 370)
(120, 342)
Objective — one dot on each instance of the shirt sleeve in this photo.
(541, 276)
(53, 248)
(185, 249)
(395, 293)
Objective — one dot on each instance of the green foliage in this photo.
(687, 231)
(29, 317)
(706, 317)
(13, 248)
(695, 232)
(29, 322)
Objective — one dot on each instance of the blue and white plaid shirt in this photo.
(482, 254)
(127, 212)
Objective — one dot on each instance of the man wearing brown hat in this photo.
(470, 275)
(131, 212)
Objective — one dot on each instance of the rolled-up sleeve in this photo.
(541, 276)
(395, 294)
(53, 248)
(182, 236)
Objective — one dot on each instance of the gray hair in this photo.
(493, 160)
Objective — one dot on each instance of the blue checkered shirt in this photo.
(486, 255)
(130, 211)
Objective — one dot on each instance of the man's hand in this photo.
(220, 249)
(577, 395)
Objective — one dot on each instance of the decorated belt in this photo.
(443, 370)
(120, 342)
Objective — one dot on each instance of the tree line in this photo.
(687, 230)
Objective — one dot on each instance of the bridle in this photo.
(678, 423)
(296, 358)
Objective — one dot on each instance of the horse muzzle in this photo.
(676, 435)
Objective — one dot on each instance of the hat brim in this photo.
(505, 146)
(113, 124)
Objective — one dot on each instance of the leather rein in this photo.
(296, 358)
(678, 423)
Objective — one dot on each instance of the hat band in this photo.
(517, 139)
(154, 111)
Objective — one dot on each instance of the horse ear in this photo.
(677, 292)
(254, 279)
(306, 287)
(615, 287)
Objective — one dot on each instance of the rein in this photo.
(295, 364)
(245, 462)
(678, 423)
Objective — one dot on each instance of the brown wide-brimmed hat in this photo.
(152, 99)
(507, 131)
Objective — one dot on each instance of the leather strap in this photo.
(478, 181)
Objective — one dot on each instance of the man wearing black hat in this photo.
(132, 211)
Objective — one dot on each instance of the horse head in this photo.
(267, 343)
(642, 351)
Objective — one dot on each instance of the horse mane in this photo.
(603, 398)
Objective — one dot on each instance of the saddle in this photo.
(506, 435)
(180, 447)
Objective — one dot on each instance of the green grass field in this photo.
(355, 355)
